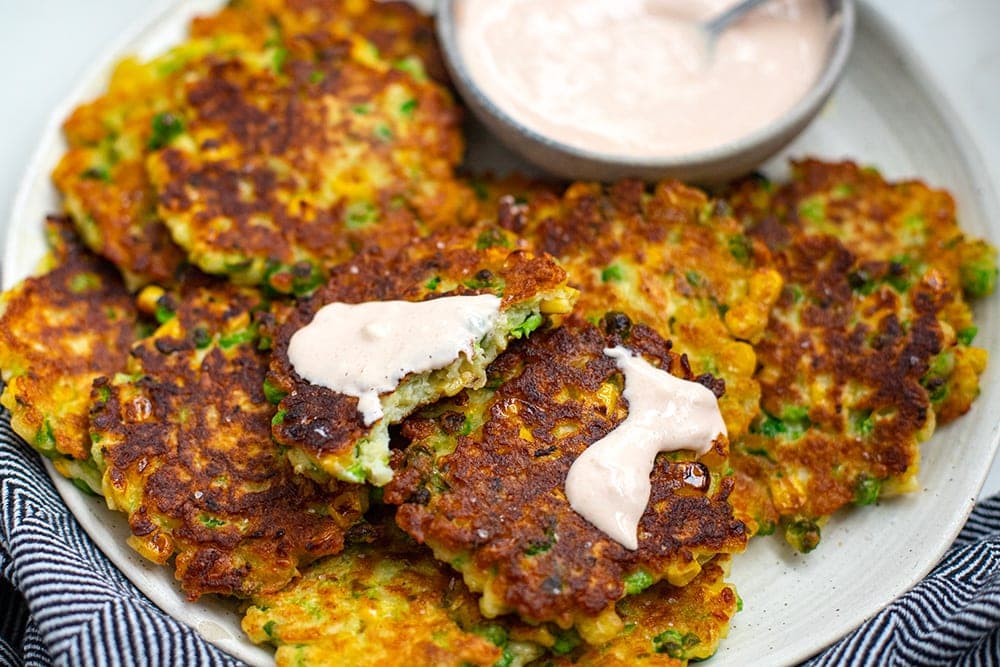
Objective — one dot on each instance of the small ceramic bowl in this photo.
(723, 162)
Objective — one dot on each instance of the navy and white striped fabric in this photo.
(63, 603)
(952, 617)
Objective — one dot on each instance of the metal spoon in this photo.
(716, 26)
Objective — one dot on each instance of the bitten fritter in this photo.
(482, 482)
(324, 430)
(58, 332)
(867, 348)
(102, 175)
(184, 441)
(283, 167)
(667, 256)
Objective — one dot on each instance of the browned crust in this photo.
(870, 215)
(123, 212)
(322, 421)
(189, 456)
(44, 321)
(844, 342)
(660, 616)
(256, 117)
(426, 614)
(396, 28)
(499, 496)
(888, 358)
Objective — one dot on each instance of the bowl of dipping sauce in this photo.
(607, 89)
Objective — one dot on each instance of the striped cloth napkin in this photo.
(63, 603)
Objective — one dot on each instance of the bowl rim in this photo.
(794, 117)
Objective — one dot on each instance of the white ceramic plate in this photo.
(885, 113)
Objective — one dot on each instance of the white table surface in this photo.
(45, 45)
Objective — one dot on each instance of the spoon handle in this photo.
(716, 25)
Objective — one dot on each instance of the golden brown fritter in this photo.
(862, 353)
(666, 625)
(324, 429)
(58, 332)
(387, 601)
(185, 442)
(102, 175)
(398, 30)
(842, 380)
(482, 483)
(383, 602)
(908, 224)
(668, 257)
(904, 222)
(283, 167)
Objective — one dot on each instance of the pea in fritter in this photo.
(666, 256)
(58, 332)
(184, 440)
(867, 348)
(283, 167)
(482, 482)
(324, 430)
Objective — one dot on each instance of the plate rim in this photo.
(161, 10)
(870, 17)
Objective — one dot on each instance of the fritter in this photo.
(911, 226)
(482, 482)
(283, 167)
(862, 356)
(58, 332)
(387, 601)
(844, 404)
(184, 440)
(666, 256)
(904, 222)
(402, 34)
(324, 430)
(666, 625)
(102, 175)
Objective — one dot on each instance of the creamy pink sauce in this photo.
(635, 77)
(365, 349)
(608, 484)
